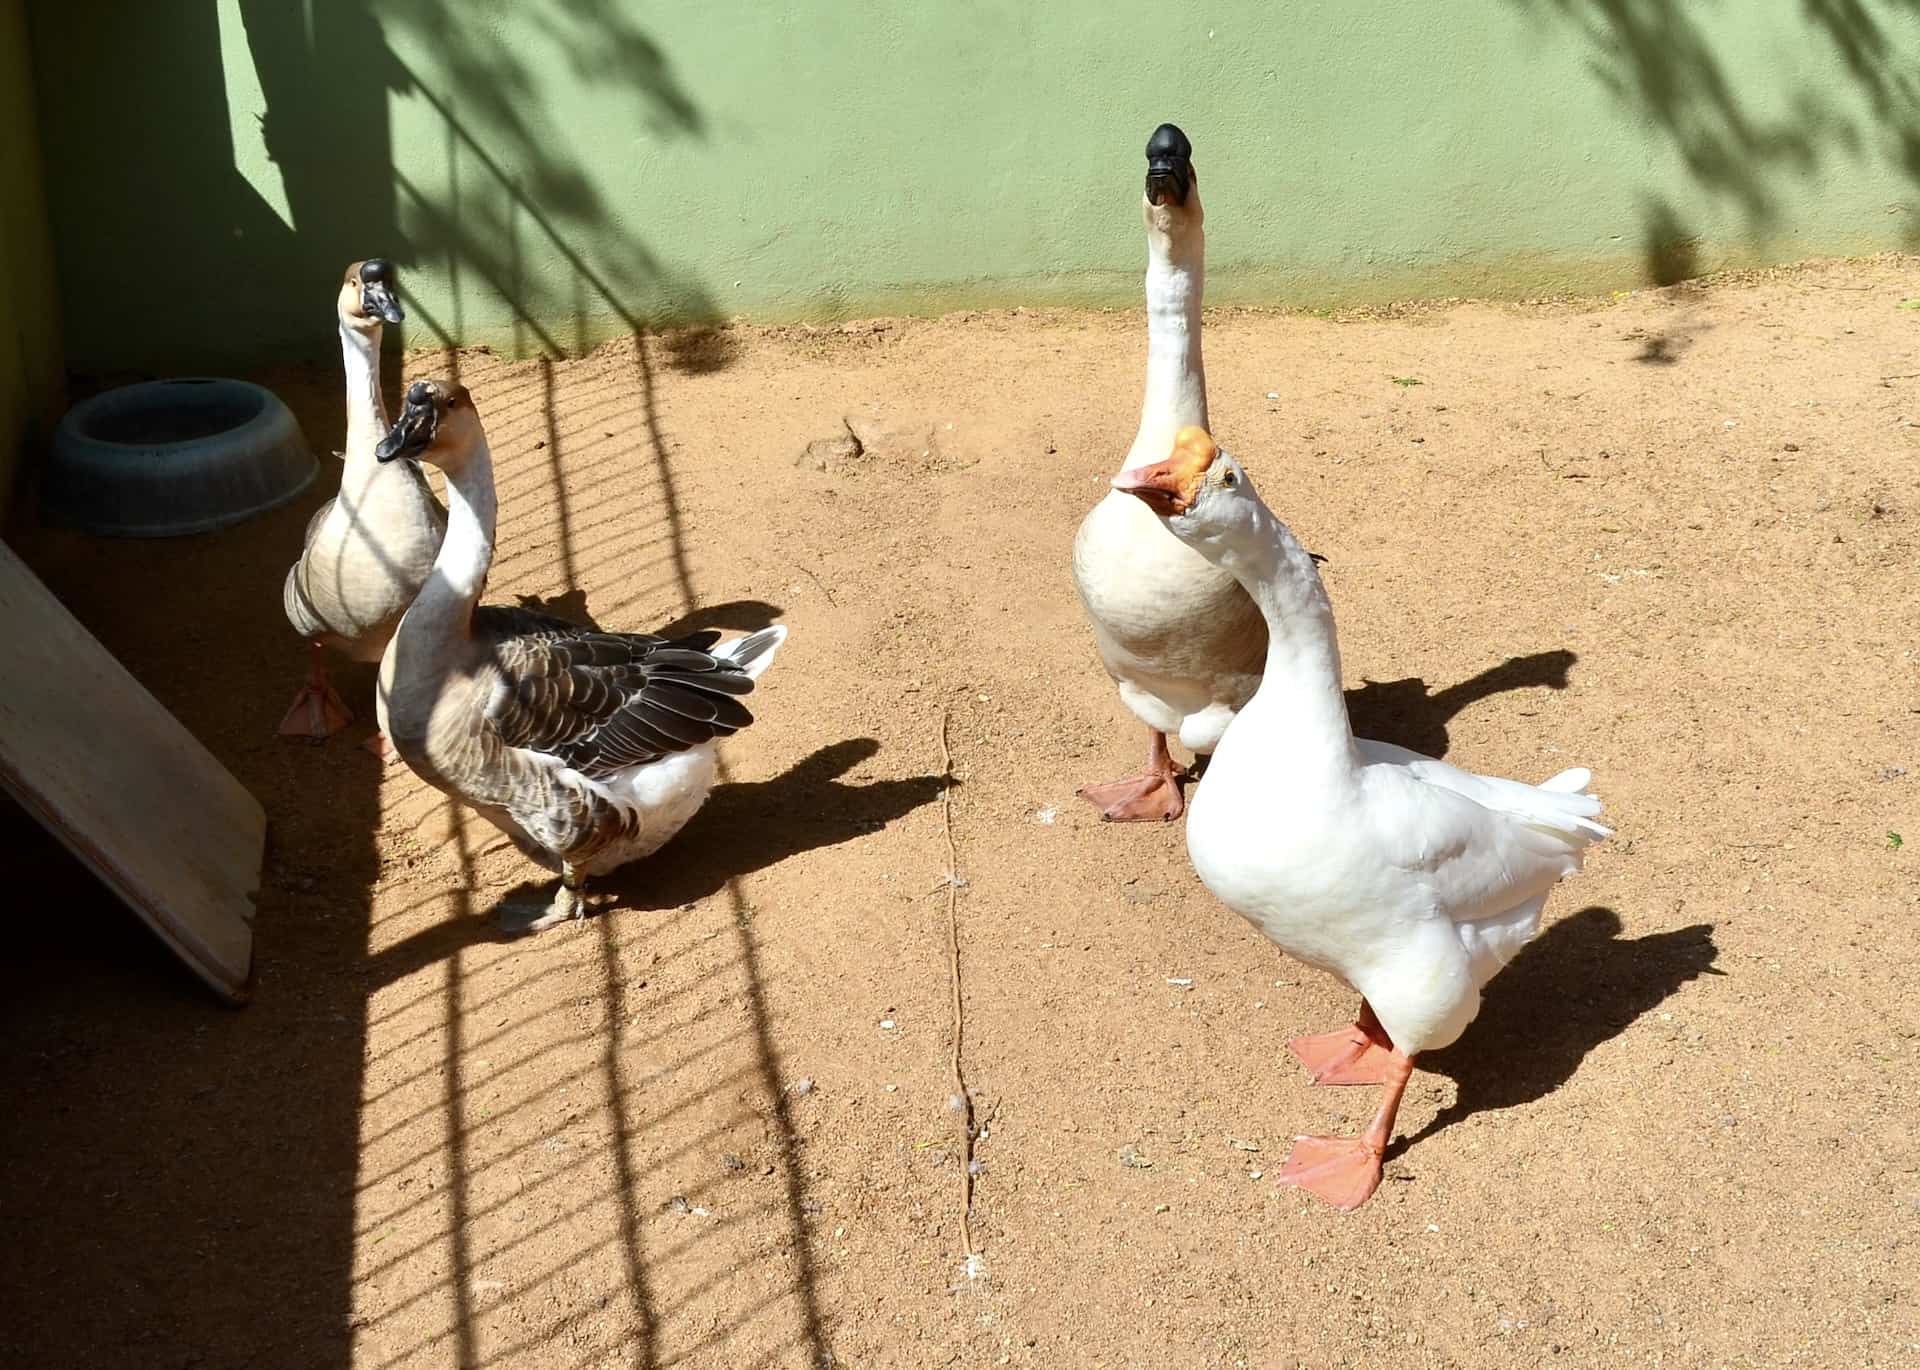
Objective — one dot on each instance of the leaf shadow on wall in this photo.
(1659, 63)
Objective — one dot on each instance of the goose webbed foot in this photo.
(528, 915)
(1346, 1170)
(1361, 1054)
(1342, 1170)
(317, 712)
(1137, 799)
(1152, 796)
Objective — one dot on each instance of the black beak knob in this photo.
(1169, 165)
(1168, 142)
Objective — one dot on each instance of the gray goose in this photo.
(368, 549)
(588, 749)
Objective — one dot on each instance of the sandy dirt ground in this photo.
(1671, 536)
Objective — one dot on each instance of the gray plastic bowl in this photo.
(167, 458)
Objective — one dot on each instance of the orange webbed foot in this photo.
(1151, 798)
(1348, 1056)
(317, 712)
(1342, 1170)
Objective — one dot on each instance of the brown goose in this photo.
(370, 547)
(588, 749)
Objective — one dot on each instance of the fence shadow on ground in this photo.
(257, 1164)
(592, 507)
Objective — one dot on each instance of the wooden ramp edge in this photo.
(120, 781)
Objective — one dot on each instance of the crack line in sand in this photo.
(959, 1101)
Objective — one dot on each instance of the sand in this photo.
(1670, 536)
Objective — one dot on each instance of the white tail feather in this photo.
(1557, 805)
(755, 652)
(1562, 806)
(1572, 780)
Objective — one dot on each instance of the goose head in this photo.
(1200, 493)
(367, 298)
(437, 425)
(1172, 200)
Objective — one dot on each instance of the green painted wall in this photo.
(548, 173)
(31, 374)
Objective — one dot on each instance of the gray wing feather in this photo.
(604, 702)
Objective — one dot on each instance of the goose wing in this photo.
(1484, 844)
(604, 702)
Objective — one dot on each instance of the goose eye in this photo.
(1230, 479)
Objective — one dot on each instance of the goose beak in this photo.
(379, 303)
(1169, 487)
(1156, 486)
(377, 300)
(1168, 182)
(413, 433)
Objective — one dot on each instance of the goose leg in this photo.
(1346, 1170)
(568, 902)
(1357, 1055)
(380, 747)
(1153, 795)
(317, 712)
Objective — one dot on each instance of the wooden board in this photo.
(105, 768)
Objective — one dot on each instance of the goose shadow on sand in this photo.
(1405, 713)
(732, 616)
(745, 826)
(748, 825)
(1577, 985)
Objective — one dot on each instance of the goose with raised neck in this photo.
(1411, 880)
(1179, 637)
(589, 749)
(369, 548)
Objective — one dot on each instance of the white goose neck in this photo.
(1300, 694)
(467, 553)
(366, 410)
(444, 607)
(1176, 392)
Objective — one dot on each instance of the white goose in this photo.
(370, 547)
(1178, 635)
(588, 749)
(1408, 878)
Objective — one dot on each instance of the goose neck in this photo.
(1300, 694)
(1176, 389)
(366, 410)
(444, 606)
